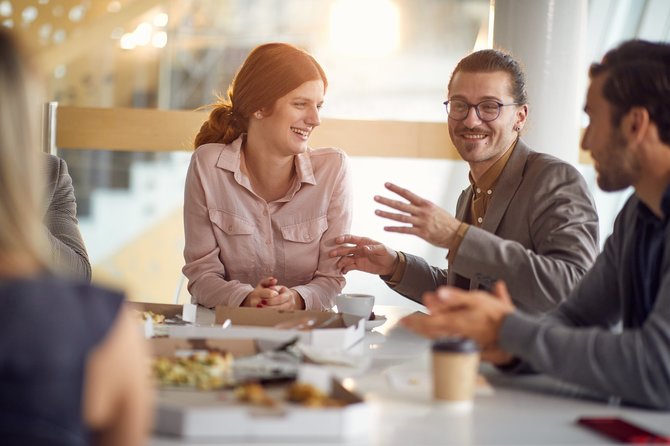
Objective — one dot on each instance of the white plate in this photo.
(378, 320)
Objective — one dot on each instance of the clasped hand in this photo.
(477, 315)
(267, 294)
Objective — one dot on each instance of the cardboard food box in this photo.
(150, 328)
(316, 328)
(200, 414)
(171, 346)
(170, 311)
(219, 414)
(187, 314)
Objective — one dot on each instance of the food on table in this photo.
(310, 396)
(202, 370)
(255, 394)
(301, 393)
(154, 317)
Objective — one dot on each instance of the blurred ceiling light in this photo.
(5, 8)
(127, 41)
(161, 19)
(45, 31)
(43, 2)
(76, 13)
(117, 33)
(59, 36)
(114, 6)
(143, 34)
(364, 27)
(159, 39)
(29, 14)
(8, 23)
(60, 71)
(58, 10)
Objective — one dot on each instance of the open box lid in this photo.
(190, 313)
(167, 310)
(265, 317)
(339, 331)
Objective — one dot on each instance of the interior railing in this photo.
(153, 130)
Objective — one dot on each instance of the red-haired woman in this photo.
(261, 208)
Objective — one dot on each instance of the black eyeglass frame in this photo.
(476, 107)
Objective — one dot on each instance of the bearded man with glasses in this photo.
(527, 218)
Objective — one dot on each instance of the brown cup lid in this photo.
(455, 344)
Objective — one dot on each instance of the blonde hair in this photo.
(269, 72)
(21, 229)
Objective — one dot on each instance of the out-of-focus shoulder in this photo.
(209, 149)
(328, 151)
(328, 155)
(543, 162)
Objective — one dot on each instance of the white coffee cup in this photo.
(357, 304)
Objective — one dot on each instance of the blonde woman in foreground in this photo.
(72, 362)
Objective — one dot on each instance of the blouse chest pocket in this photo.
(306, 231)
(229, 223)
(237, 250)
(302, 246)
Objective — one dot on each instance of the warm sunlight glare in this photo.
(364, 27)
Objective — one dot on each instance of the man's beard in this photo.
(621, 168)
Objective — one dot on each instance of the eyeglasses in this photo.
(486, 110)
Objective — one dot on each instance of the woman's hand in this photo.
(268, 294)
(286, 299)
(263, 291)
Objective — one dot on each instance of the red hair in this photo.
(269, 72)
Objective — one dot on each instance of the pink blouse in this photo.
(234, 238)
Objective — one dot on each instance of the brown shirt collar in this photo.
(490, 177)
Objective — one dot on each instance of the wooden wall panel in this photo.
(134, 129)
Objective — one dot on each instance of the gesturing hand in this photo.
(425, 219)
(365, 255)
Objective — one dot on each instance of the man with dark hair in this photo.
(628, 103)
(527, 217)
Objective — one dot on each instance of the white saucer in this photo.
(376, 322)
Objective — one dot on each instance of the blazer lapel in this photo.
(463, 204)
(462, 211)
(509, 182)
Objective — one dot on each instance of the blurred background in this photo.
(386, 60)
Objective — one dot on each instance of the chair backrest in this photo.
(181, 290)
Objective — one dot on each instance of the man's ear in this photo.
(522, 114)
(635, 124)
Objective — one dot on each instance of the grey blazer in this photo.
(539, 235)
(575, 342)
(60, 219)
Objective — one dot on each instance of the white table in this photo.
(521, 410)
